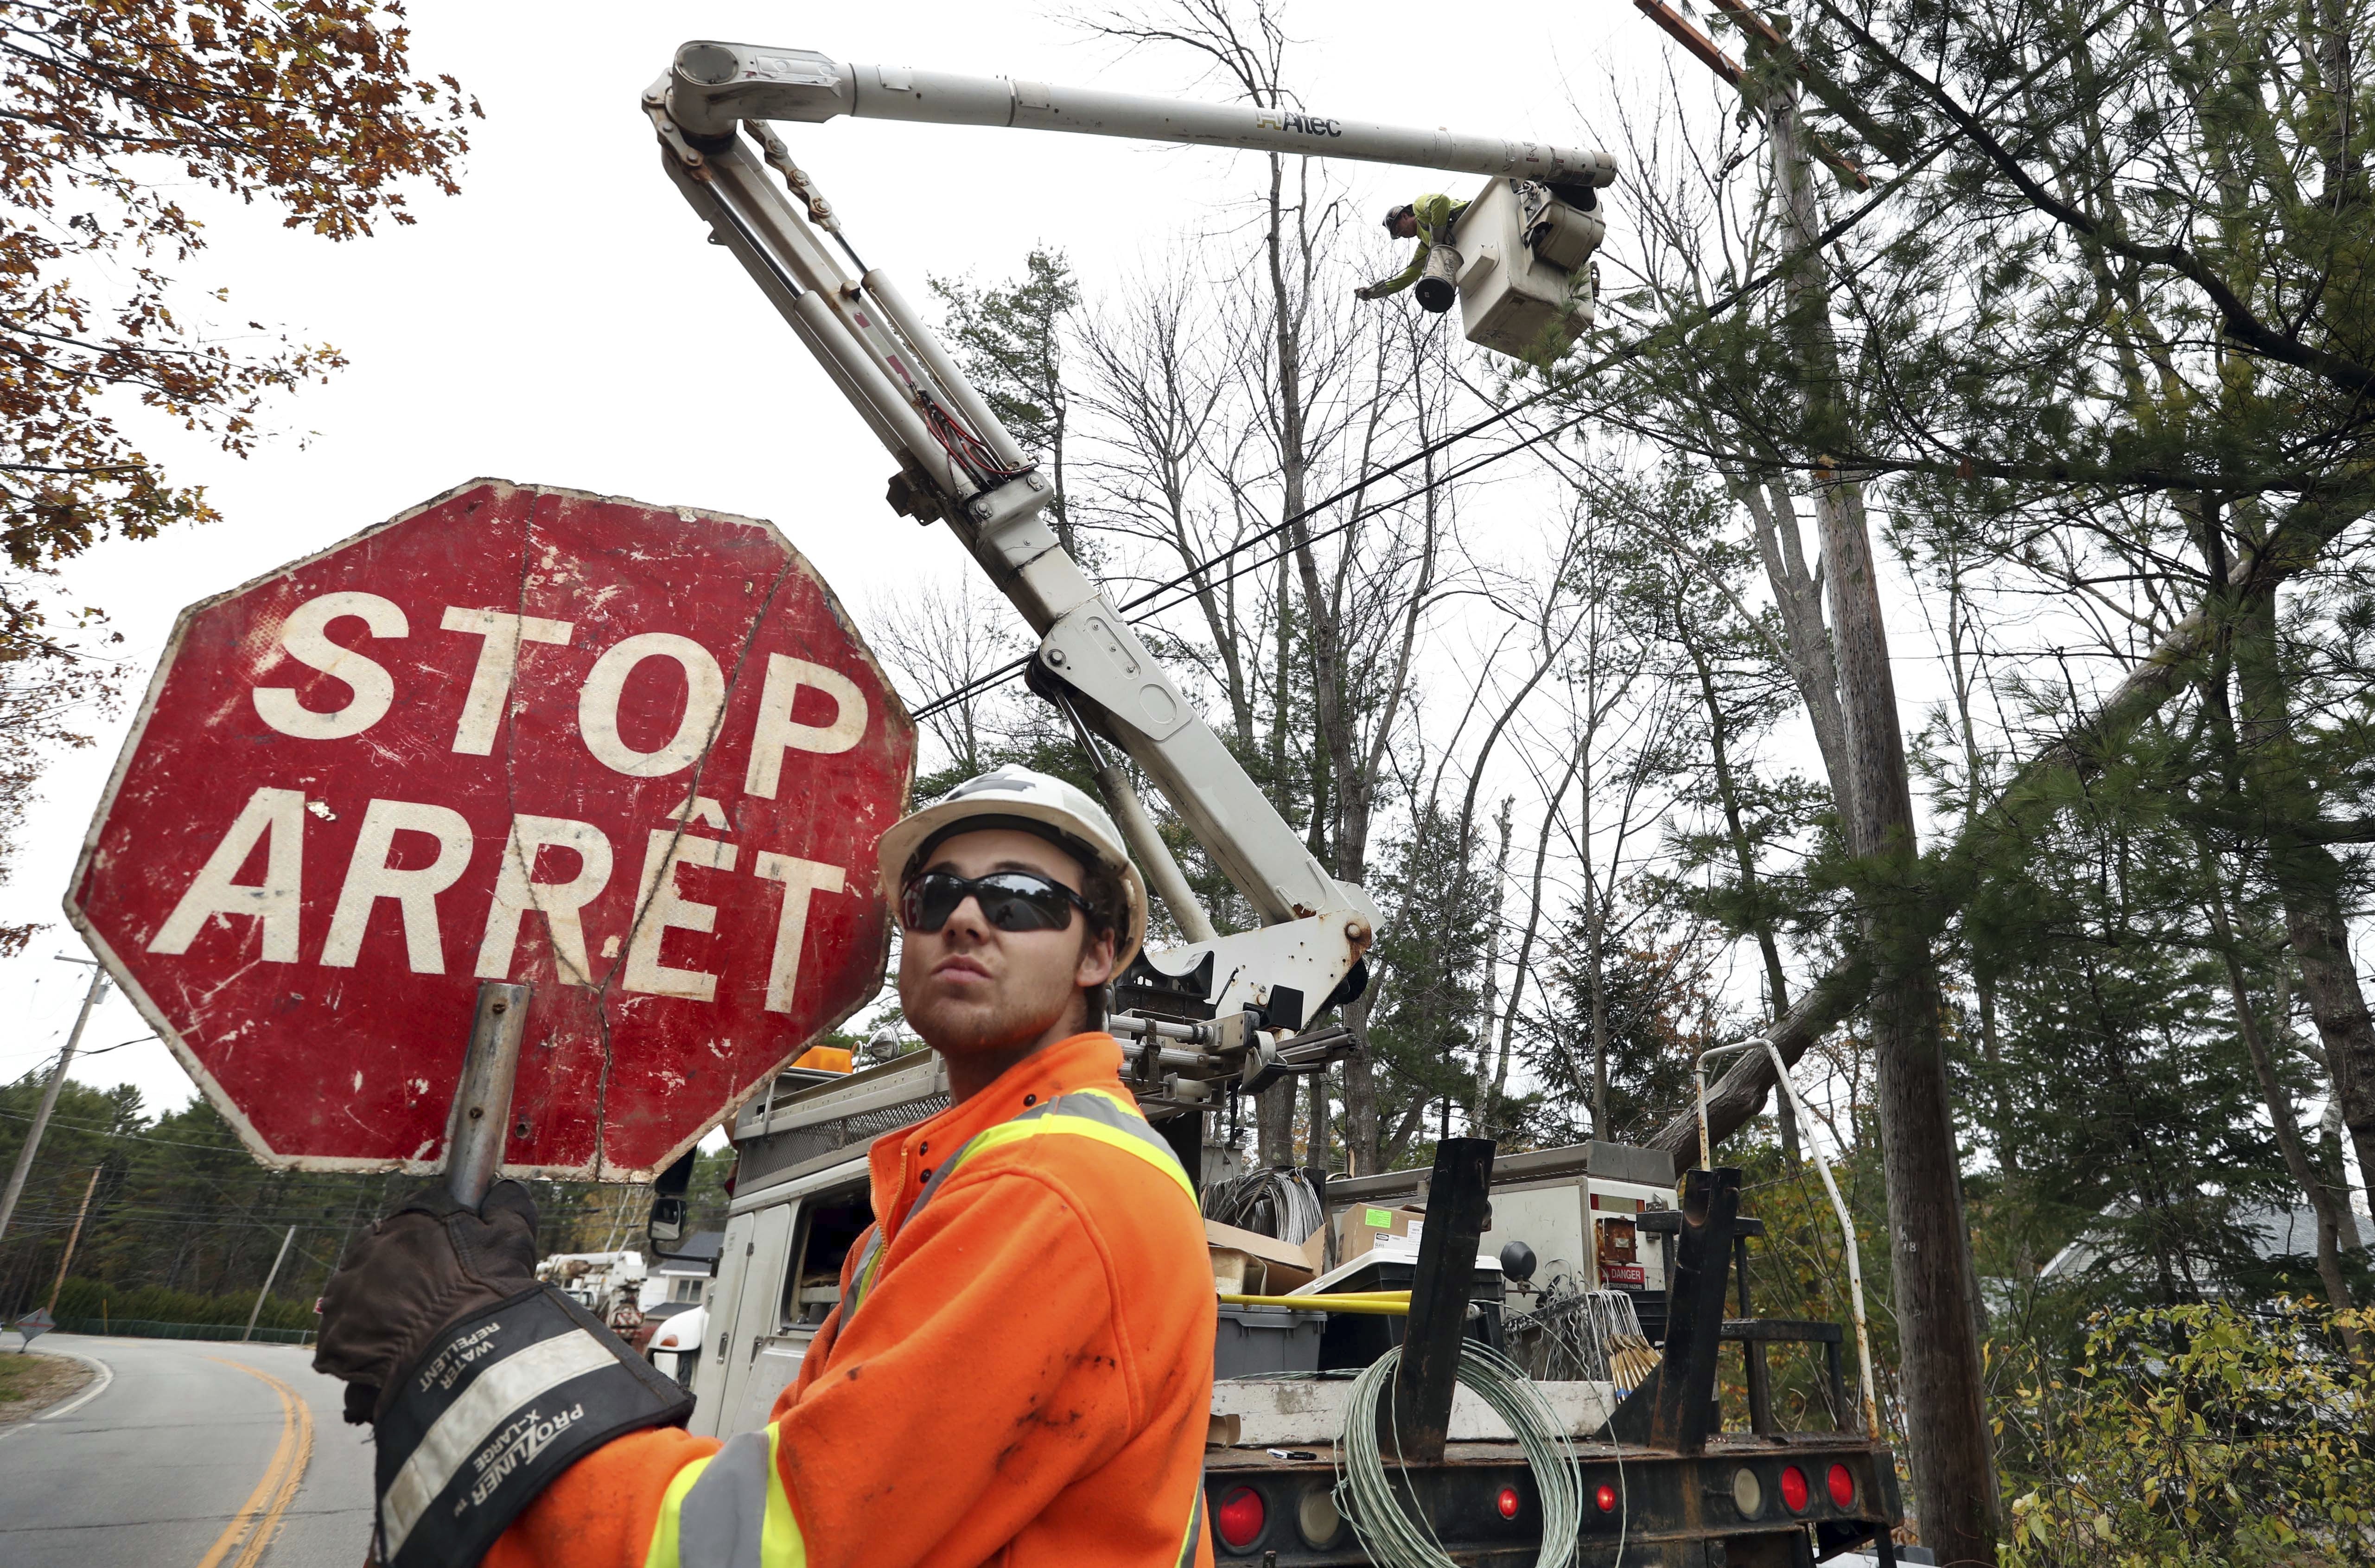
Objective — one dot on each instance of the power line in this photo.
(1008, 671)
(1404, 498)
(1716, 309)
(135, 1138)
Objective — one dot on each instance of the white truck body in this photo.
(801, 1200)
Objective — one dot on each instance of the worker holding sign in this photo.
(1021, 1364)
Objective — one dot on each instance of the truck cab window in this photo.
(831, 1223)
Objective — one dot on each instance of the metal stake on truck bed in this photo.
(1830, 1185)
(1429, 1371)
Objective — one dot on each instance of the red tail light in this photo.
(731, 1172)
(1606, 1498)
(1240, 1518)
(1794, 1489)
(1507, 1502)
(1842, 1485)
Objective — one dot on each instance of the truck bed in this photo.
(1661, 1508)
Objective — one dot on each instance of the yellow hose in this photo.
(1372, 1306)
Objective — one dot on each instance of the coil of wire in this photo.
(1396, 1535)
(1275, 1202)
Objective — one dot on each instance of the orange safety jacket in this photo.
(1020, 1371)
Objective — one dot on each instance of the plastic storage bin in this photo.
(1354, 1340)
(1251, 1342)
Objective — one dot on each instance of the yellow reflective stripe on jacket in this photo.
(730, 1510)
(780, 1543)
(1159, 1155)
(1096, 1114)
(664, 1553)
(1195, 1527)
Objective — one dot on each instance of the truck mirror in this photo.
(665, 1228)
(1517, 1261)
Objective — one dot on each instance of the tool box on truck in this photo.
(1354, 1340)
(1253, 1341)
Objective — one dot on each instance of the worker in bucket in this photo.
(1020, 1369)
(1435, 266)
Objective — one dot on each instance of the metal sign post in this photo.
(482, 1104)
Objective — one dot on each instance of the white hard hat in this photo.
(1079, 823)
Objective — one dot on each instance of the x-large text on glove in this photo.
(634, 755)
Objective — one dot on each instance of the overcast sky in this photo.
(562, 321)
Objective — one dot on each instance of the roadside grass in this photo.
(31, 1383)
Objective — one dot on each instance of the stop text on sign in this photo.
(532, 847)
(636, 757)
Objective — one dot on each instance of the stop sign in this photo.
(634, 756)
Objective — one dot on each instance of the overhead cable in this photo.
(1006, 672)
(1721, 306)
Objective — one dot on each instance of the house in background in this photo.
(2281, 1236)
(685, 1276)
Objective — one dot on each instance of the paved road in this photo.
(194, 1453)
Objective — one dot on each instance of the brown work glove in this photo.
(432, 1261)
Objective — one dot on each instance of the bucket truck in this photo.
(1239, 1009)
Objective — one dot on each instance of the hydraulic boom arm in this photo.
(957, 463)
(717, 85)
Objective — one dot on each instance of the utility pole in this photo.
(50, 1095)
(72, 1237)
(1935, 1283)
(279, 1258)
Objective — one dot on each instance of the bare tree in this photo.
(1161, 375)
(945, 639)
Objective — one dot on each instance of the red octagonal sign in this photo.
(634, 756)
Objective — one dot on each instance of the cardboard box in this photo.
(1264, 1265)
(1358, 1228)
(1238, 1273)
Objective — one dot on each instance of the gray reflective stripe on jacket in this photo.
(1083, 1105)
(723, 1516)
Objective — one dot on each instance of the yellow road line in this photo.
(290, 1480)
(282, 1476)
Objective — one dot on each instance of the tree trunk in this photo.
(2306, 875)
(1361, 1129)
(2305, 1176)
(1943, 1373)
(1489, 1012)
(1316, 1151)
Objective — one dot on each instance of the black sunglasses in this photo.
(1011, 900)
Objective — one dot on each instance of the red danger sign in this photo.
(634, 756)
